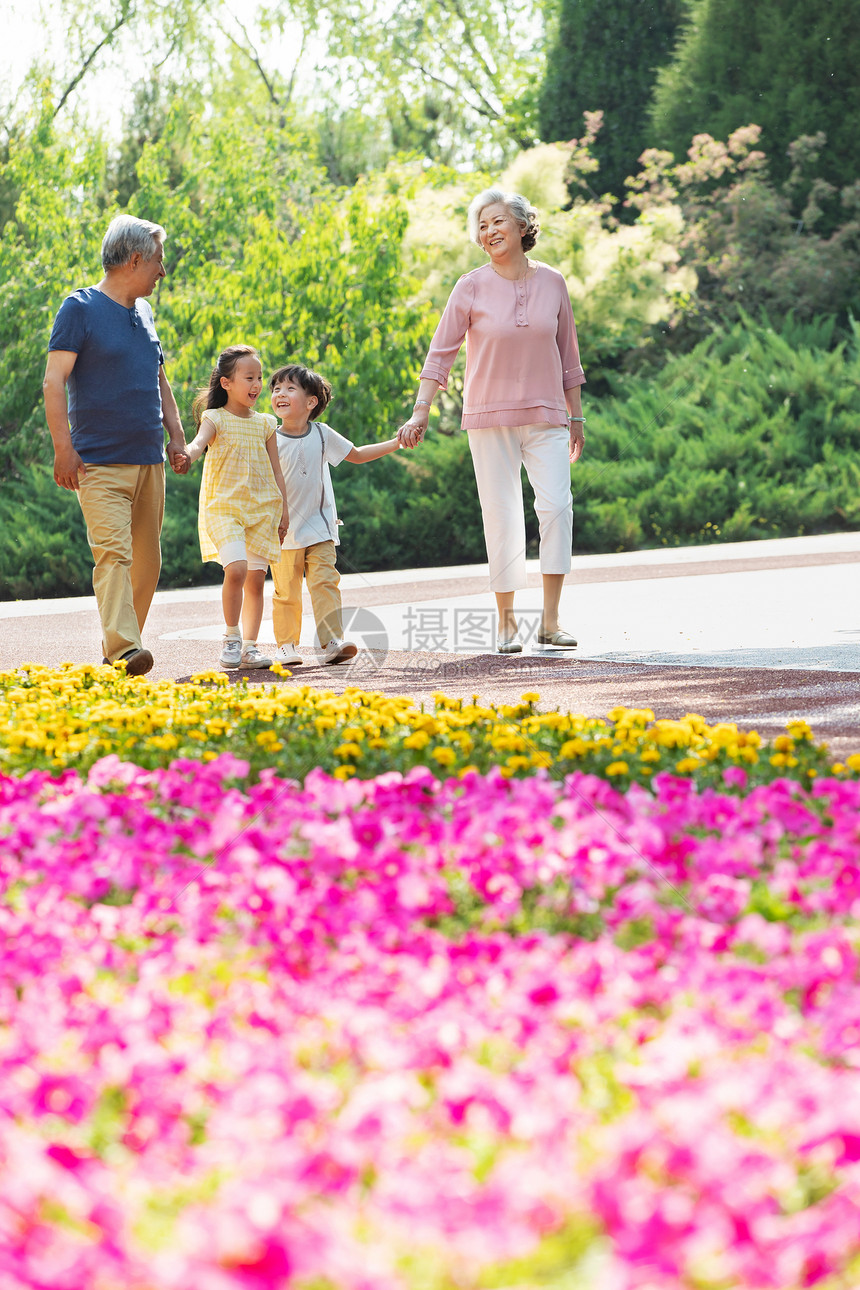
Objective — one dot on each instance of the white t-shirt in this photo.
(305, 461)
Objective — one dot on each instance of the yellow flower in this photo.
(853, 762)
(420, 739)
(350, 749)
(269, 740)
(343, 772)
(617, 768)
(166, 742)
(444, 756)
(531, 696)
(687, 765)
(783, 744)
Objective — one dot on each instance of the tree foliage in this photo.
(756, 245)
(788, 65)
(604, 57)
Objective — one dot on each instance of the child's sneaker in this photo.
(231, 653)
(338, 651)
(253, 657)
(288, 654)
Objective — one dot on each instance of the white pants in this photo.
(499, 454)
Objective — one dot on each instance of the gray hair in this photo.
(126, 236)
(520, 207)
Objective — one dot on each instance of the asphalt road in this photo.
(753, 633)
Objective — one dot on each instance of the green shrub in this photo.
(43, 539)
(754, 433)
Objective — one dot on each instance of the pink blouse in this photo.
(521, 348)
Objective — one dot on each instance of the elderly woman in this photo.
(521, 404)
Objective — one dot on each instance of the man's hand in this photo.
(176, 450)
(68, 468)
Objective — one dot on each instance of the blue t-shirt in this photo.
(114, 399)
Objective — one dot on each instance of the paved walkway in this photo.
(754, 632)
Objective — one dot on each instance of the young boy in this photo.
(307, 447)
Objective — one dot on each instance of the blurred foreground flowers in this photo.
(265, 1026)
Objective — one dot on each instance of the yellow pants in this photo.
(123, 507)
(317, 563)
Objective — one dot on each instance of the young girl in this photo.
(243, 502)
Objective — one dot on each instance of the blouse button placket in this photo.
(522, 317)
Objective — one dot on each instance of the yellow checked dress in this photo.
(238, 494)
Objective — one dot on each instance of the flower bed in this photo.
(419, 1032)
(405, 1031)
(74, 716)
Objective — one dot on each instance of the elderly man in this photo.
(109, 437)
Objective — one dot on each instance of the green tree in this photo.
(55, 230)
(757, 246)
(604, 57)
(452, 79)
(787, 65)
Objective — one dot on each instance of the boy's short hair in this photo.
(311, 382)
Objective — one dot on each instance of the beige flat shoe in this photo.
(562, 639)
(512, 646)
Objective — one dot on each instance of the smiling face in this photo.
(244, 386)
(148, 273)
(292, 404)
(499, 233)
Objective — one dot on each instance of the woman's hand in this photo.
(413, 431)
(577, 440)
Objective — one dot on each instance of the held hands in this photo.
(177, 455)
(184, 458)
(412, 431)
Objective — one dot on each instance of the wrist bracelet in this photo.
(426, 402)
(582, 419)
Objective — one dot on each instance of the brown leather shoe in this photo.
(137, 662)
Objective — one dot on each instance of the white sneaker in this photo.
(338, 651)
(253, 657)
(231, 653)
(288, 654)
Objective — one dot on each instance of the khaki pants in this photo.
(317, 563)
(123, 507)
